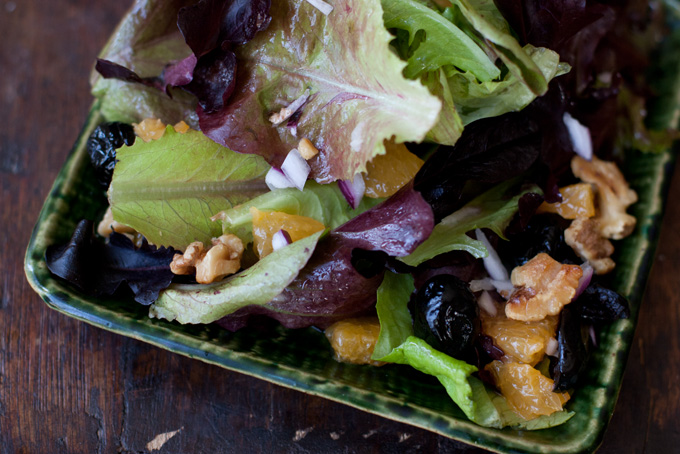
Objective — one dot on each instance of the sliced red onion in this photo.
(280, 239)
(353, 190)
(322, 6)
(492, 262)
(584, 282)
(551, 347)
(276, 179)
(580, 137)
(485, 302)
(296, 169)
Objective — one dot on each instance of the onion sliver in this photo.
(280, 239)
(276, 179)
(580, 137)
(353, 190)
(584, 282)
(485, 301)
(492, 262)
(296, 169)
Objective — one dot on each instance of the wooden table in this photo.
(68, 387)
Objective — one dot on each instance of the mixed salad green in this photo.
(496, 97)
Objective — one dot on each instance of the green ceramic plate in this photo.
(300, 359)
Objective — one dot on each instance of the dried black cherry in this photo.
(102, 145)
(445, 314)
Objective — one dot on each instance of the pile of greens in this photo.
(485, 83)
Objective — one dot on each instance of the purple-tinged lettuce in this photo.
(210, 28)
(357, 94)
(144, 43)
(396, 226)
(99, 268)
(212, 24)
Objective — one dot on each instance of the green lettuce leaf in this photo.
(453, 373)
(453, 53)
(493, 210)
(444, 43)
(485, 19)
(358, 96)
(395, 321)
(396, 343)
(475, 100)
(450, 126)
(256, 285)
(325, 203)
(146, 41)
(168, 189)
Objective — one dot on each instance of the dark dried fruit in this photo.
(445, 314)
(545, 233)
(599, 304)
(102, 145)
(571, 351)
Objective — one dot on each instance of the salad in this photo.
(434, 184)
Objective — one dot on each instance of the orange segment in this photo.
(528, 392)
(524, 342)
(578, 201)
(267, 223)
(353, 340)
(388, 172)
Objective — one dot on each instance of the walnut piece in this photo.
(186, 263)
(544, 287)
(222, 259)
(613, 195)
(583, 235)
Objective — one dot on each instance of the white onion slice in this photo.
(280, 239)
(492, 262)
(485, 301)
(296, 169)
(353, 190)
(322, 6)
(580, 137)
(276, 179)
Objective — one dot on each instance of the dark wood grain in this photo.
(66, 387)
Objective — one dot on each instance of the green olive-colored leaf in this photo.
(168, 189)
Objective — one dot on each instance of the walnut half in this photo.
(222, 259)
(583, 235)
(543, 287)
(613, 194)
